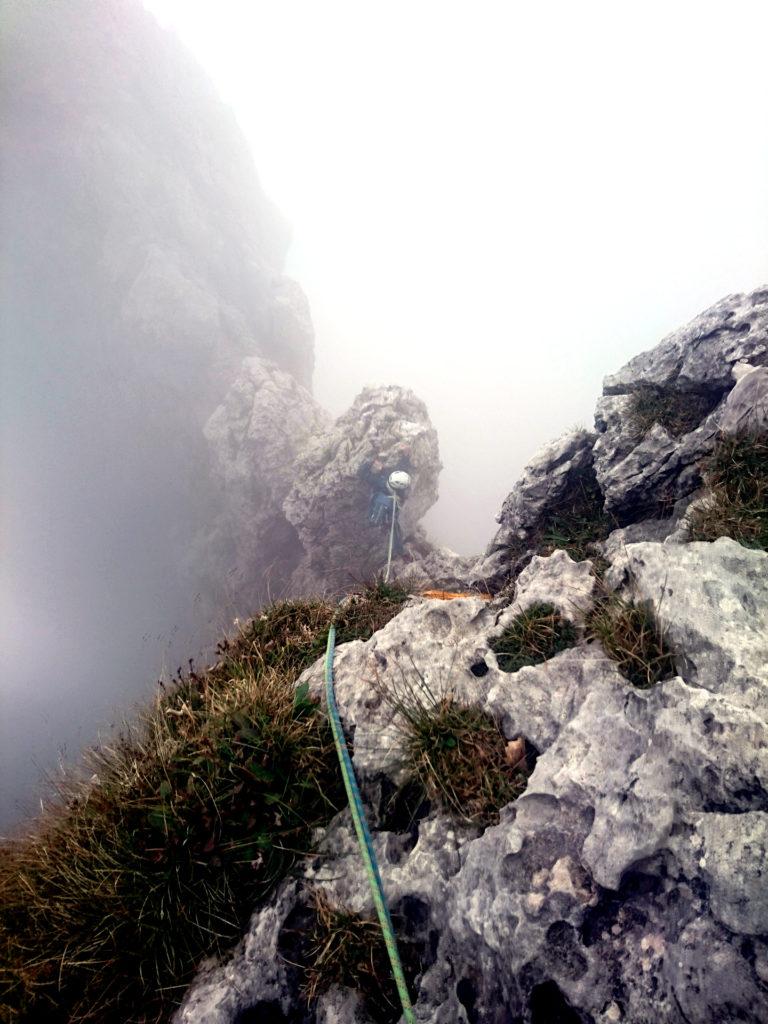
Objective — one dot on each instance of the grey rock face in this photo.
(701, 355)
(426, 566)
(626, 883)
(745, 410)
(542, 486)
(328, 503)
(255, 437)
(147, 264)
(293, 495)
(643, 474)
(713, 601)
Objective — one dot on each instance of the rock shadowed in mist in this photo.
(328, 503)
(545, 481)
(255, 437)
(141, 263)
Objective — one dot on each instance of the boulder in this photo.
(745, 410)
(701, 355)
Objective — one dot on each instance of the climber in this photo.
(389, 487)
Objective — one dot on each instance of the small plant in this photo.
(678, 412)
(737, 475)
(456, 753)
(632, 637)
(347, 949)
(535, 635)
(578, 521)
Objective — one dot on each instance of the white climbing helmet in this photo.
(399, 480)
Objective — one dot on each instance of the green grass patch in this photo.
(535, 635)
(157, 857)
(456, 753)
(737, 475)
(153, 854)
(291, 635)
(632, 637)
(676, 411)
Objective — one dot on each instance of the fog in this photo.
(498, 203)
(495, 204)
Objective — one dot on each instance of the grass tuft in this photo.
(157, 858)
(153, 854)
(347, 949)
(535, 635)
(677, 412)
(737, 475)
(456, 753)
(632, 637)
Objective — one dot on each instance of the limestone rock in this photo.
(713, 601)
(644, 474)
(142, 262)
(701, 354)
(543, 484)
(625, 883)
(425, 566)
(328, 503)
(734, 852)
(255, 437)
(745, 410)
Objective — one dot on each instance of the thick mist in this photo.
(494, 205)
(139, 265)
(497, 204)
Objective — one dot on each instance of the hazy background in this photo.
(497, 203)
(492, 203)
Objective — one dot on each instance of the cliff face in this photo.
(141, 263)
(130, 200)
(626, 882)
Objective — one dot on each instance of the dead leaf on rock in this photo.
(515, 753)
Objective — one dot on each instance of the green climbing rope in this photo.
(364, 835)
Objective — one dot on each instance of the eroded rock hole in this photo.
(262, 1013)
(402, 808)
(479, 668)
(417, 941)
(548, 1005)
(467, 996)
(563, 951)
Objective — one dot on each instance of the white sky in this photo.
(497, 203)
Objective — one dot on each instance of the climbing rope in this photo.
(391, 538)
(363, 833)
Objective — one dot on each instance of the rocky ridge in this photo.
(627, 882)
(294, 497)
